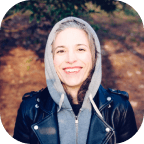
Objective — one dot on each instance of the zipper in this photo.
(76, 124)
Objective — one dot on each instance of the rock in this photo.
(129, 73)
(13, 82)
(141, 86)
(20, 81)
(138, 72)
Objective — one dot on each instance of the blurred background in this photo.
(23, 35)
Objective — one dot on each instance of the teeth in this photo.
(72, 70)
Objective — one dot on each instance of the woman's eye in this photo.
(81, 49)
(60, 51)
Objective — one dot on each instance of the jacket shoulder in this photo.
(30, 104)
(123, 94)
(30, 101)
(31, 94)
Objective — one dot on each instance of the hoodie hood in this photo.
(72, 129)
(53, 82)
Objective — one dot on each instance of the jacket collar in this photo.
(46, 102)
(104, 98)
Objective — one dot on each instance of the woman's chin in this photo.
(73, 84)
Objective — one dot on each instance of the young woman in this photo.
(74, 108)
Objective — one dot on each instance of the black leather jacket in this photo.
(37, 119)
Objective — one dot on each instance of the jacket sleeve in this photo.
(127, 127)
(21, 130)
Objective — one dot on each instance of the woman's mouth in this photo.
(72, 70)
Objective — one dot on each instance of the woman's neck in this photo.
(73, 91)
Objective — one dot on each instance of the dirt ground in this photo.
(22, 47)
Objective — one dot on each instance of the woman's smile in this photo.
(72, 70)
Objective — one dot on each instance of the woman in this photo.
(74, 108)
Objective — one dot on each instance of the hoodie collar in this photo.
(47, 104)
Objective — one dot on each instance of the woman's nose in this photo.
(71, 57)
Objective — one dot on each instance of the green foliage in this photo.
(140, 20)
(28, 61)
(28, 67)
(133, 39)
(118, 10)
(55, 10)
(130, 12)
(31, 18)
(107, 5)
(96, 27)
(105, 30)
(141, 69)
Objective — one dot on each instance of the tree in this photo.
(55, 10)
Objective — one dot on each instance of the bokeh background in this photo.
(23, 35)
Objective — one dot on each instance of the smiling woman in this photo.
(74, 107)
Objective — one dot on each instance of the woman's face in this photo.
(72, 56)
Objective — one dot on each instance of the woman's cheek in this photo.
(89, 56)
(57, 60)
(86, 58)
(56, 64)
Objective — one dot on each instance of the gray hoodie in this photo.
(72, 129)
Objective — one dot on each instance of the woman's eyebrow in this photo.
(59, 47)
(81, 45)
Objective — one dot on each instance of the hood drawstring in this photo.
(94, 105)
(61, 101)
(91, 100)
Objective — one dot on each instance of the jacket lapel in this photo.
(46, 129)
(99, 131)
